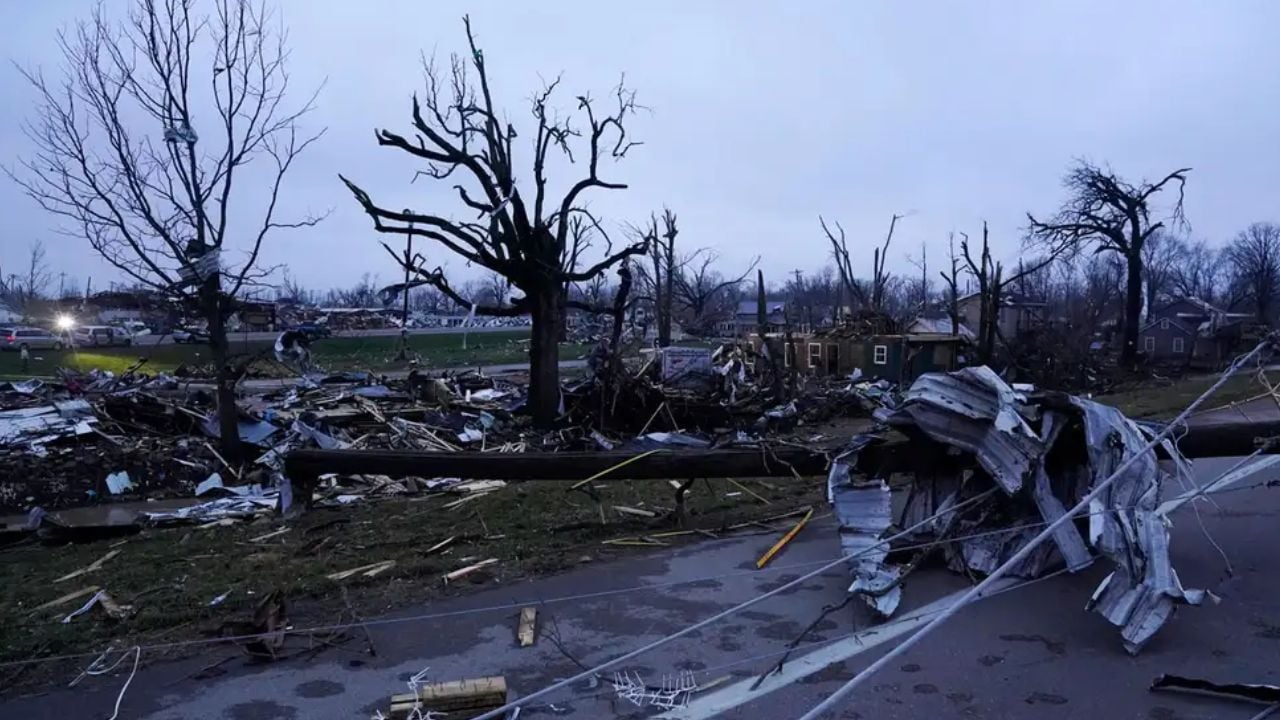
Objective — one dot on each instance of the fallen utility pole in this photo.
(303, 466)
(1201, 440)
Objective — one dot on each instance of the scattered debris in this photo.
(625, 510)
(440, 545)
(118, 482)
(463, 572)
(527, 629)
(370, 570)
(269, 535)
(67, 598)
(91, 567)
(673, 692)
(1267, 694)
(458, 698)
(103, 600)
(784, 540)
(986, 454)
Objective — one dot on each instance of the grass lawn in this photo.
(1165, 401)
(171, 575)
(335, 353)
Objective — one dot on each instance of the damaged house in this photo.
(1190, 331)
(898, 357)
(993, 467)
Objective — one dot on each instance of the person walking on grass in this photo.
(24, 354)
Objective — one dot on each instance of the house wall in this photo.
(1157, 341)
(902, 360)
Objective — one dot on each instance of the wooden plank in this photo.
(92, 567)
(626, 510)
(463, 572)
(67, 598)
(782, 542)
(476, 693)
(528, 626)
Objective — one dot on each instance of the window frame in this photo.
(1179, 346)
(1149, 344)
(815, 362)
(880, 355)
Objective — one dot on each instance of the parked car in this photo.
(136, 328)
(101, 336)
(189, 335)
(314, 330)
(32, 338)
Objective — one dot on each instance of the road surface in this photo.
(1032, 653)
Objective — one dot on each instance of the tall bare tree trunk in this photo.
(544, 357)
(1132, 310)
(225, 390)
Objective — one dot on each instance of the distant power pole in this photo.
(795, 294)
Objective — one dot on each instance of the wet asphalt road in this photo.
(1029, 653)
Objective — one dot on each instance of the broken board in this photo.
(528, 627)
(458, 698)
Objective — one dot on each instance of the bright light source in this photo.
(65, 322)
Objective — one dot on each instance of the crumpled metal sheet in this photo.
(864, 512)
(1011, 437)
(974, 410)
(1125, 525)
(35, 426)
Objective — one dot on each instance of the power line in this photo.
(843, 691)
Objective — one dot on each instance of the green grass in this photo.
(1165, 401)
(334, 353)
(170, 575)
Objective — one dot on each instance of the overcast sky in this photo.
(766, 114)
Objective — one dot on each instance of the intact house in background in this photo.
(938, 322)
(1018, 313)
(745, 320)
(1191, 331)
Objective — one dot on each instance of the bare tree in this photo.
(291, 288)
(1254, 255)
(1161, 255)
(37, 275)
(1198, 272)
(457, 129)
(1115, 216)
(992, 283)
(363, 294)
(429, 299)
(951, 277)
(19, 291)
(920, 290)
(703, 292)
(659, 280)
(117, 159)
(498, 288)
(871, 295)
